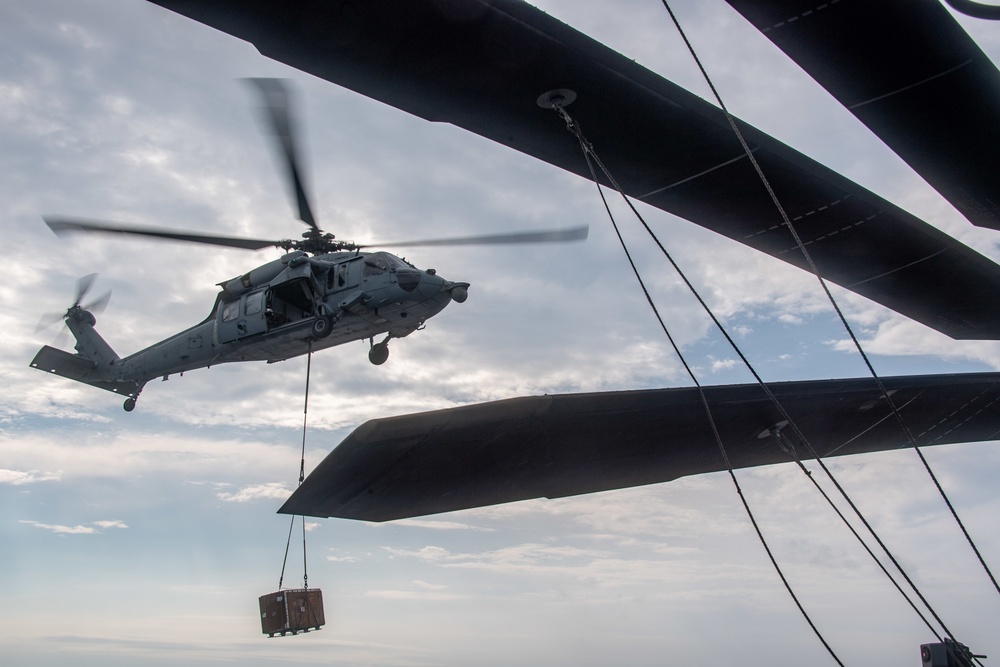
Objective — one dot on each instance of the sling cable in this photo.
(291, 611)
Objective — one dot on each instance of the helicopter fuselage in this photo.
(285, 308)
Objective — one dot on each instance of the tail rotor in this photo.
(78, 311)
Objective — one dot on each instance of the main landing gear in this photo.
(379, 351)
(129, 404)
(322, 326)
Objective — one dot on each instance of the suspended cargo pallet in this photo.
(291, 611)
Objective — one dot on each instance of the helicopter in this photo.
(321, 293)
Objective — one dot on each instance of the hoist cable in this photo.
(302, 462)
(588, 153)
(812, 265)
(302, 476)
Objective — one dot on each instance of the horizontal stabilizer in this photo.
(81, 369)
(570, 444)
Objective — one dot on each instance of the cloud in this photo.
(423, 596)
(19, 477)
(129, 452)
(62, 530)
(514, 557)
(636, 567)
(343, 559)
(274, 490)
(426, 592)
(430, 553)
(78, 529)
(441, 525)
(893, 334)
(722, 364)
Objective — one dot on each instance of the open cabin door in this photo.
(290, 302)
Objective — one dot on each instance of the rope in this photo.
(302, 462)
(302, 476)
(812, 265)
(588, 153)
(288, 543)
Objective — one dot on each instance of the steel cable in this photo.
(588, 153)
(850, 331)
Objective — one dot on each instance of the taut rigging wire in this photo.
(588, 153)
(843, 319)
(857, 343)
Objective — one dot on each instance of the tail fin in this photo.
(89, 343)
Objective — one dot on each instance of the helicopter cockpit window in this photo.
(397, 262)
(230, 310)
(376, 263)
(255, 303)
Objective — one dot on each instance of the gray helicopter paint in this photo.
(321, 293)
(370, 301)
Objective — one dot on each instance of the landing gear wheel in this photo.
(378, 354)
(129, 404)
(322, 326)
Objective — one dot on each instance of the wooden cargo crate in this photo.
(291, 611)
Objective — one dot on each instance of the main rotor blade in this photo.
(67, 225)
(549, 236)
(278, 116)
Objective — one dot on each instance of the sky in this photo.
(146, 538)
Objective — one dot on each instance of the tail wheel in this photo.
(129, 404)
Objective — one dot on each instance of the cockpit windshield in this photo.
(378, 262)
